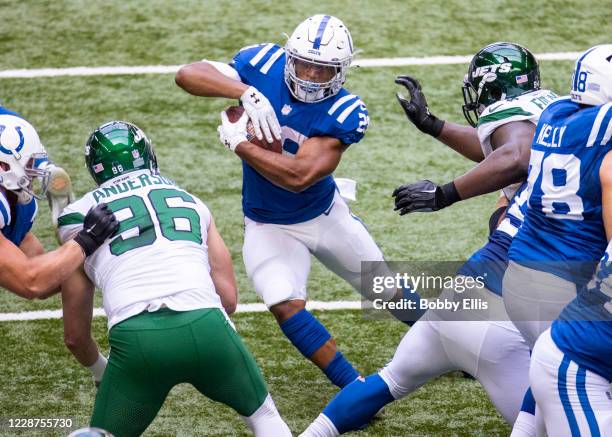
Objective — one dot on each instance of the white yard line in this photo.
(166, 69)
(242, 308)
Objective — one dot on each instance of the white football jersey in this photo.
(526, 107)
(159, 255)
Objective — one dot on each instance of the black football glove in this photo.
(100, 223)
(416, 108)
(424, 196)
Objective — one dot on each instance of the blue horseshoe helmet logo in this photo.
(21, 141)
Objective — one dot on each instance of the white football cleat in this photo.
(59, 191)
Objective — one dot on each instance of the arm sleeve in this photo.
(225, 69)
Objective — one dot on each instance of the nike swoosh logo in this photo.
(494, 108)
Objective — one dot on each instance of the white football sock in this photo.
(524, 426)
(321, 427)
(266, 421)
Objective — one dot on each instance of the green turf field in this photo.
(38, 377)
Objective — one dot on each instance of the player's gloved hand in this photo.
(424, 196)
(100, 223)
(232, 134)
(416, 108)
(261, 113)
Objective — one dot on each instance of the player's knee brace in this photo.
(358, 403)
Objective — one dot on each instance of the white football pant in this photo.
(494, 352)
(571, 400)
(277, 257)
(534, 298)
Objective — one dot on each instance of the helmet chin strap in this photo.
(23, 197)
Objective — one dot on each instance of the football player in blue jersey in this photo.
(571, 365)
(503, 103)
(24, 175)
(567, 222)
(291, 204)
(484, 344)
(563, 236)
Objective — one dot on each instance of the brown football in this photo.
(235, 112)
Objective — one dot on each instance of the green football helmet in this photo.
(117, 148)
(499, 71)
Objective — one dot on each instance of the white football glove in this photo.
(232, 134)
(261, 113)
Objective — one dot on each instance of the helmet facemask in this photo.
(310, 91)
(26, 181)
(476, 100)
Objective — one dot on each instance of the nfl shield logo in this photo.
(135, 154)
(286, 110)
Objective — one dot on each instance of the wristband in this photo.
(451, 195)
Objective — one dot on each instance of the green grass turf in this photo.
(183, 129)
(49, 33)
(37, 375)
(41, 379)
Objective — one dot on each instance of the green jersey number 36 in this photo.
(175, 222)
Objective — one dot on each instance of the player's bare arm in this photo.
(213, 79)
(203, 79)
(507, 164)
(31, 245)
(316, 158)
(605, 177)
(34, 277)
(221, 269)
(462, 139)
(77, 308)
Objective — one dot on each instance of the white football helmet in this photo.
(322, 45)
(592, 78)
(23, 159)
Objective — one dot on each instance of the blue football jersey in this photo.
(584, 328)
(491, 260)
(343, 116)
(15, 222)
(563, 230)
